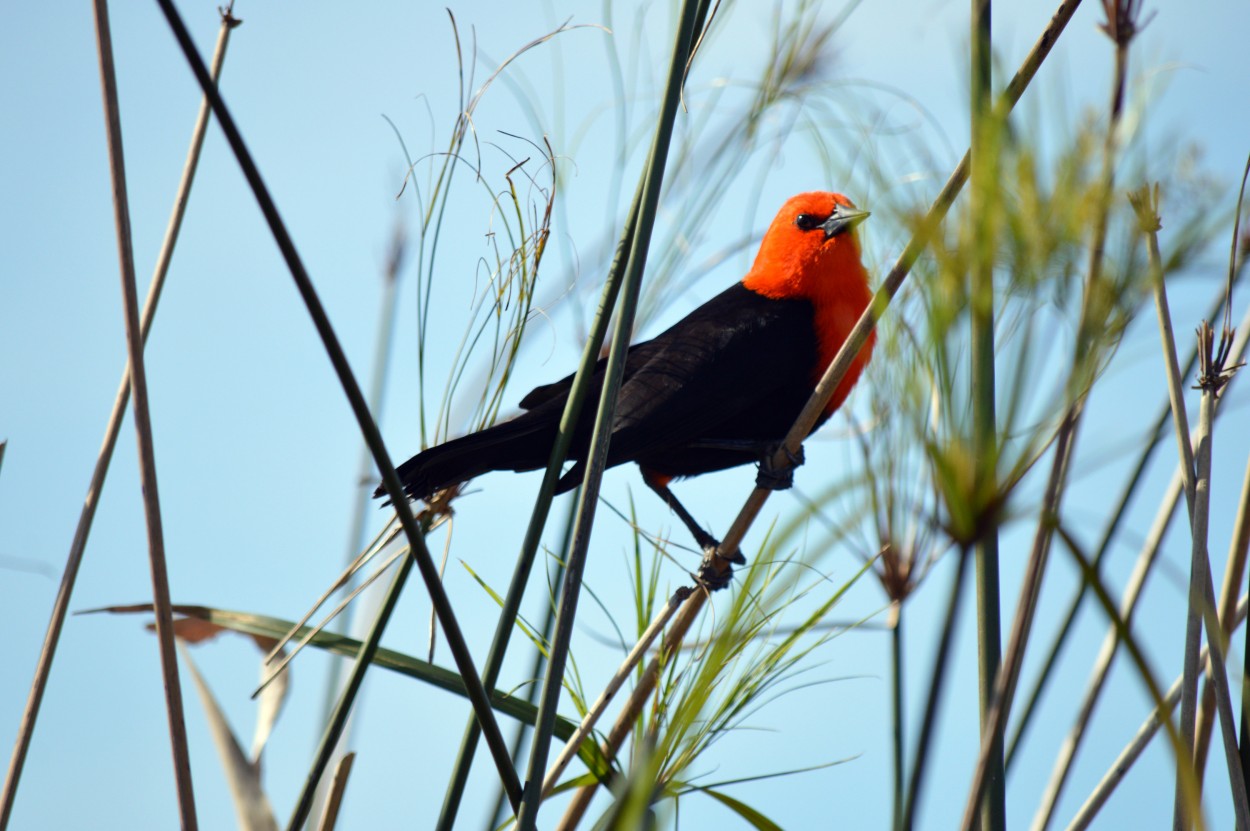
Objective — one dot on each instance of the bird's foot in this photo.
(716, 572)
(778, 478)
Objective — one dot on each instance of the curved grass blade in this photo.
(745, 811)
(433, 674)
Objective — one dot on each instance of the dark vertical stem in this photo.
(143, 428)
(540, 660)
(542, 507)
(338, 719)
(989, 635)
(86, 517)
(941, 663)
(896, 655)
(1244, 735)
(597, 454)
(1241, 533)
(1026, 608)
(363, 483)
(360, 409)
(1132, 482)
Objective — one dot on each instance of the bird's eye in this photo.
(807, 222)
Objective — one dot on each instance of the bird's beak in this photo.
(842, 220)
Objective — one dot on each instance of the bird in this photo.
(718, 389)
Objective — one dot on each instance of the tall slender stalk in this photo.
(540, 659)
(574, 743)
(1234, 574)
(994, 721)
(60, 606)
(143, 428)
(1135, 478)
(373, 438)
(387, 308)
(1240, 544)
(1213, 375)
(897, 701)
(1196, 467)
(1121, 766)
(1030, 588)
(941, 664)
(984, 421)
(338, 717)
(820, 396)
(542, 508)
(1146, 204)
(1182, 814)
(1183, 811)
(1218, 672)
(689, 23)
(1112, 641)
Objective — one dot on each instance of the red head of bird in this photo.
(810, 251)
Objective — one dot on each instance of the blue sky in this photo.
(257, 449)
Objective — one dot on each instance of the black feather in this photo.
(738, 369)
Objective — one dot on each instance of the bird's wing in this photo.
(733, 354)
(635, 358)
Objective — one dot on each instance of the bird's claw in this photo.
(778, 478)
(716, 571)
(713, 580)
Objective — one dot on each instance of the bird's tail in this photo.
(522, 443)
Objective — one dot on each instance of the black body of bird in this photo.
(716, 390)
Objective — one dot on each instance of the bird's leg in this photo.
(778, 478)
(713, 577)
(704, 540)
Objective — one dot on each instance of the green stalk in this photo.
(86, 517)
(896, 658)
(1009, 674)
(1112, 640)
(377, 390)
(542, 508)
(1134, 479)
(597, 454)
(369, 429)
(1120, 768)
(1005, 685)
(1196, 463)
(540, 659)
(1209, 618)
(985, 427)
(1240, 543)
(1124, 635)
(940, 665)
(1146, 206)
(1117, 28)
(338, 718)
(1234, 572)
